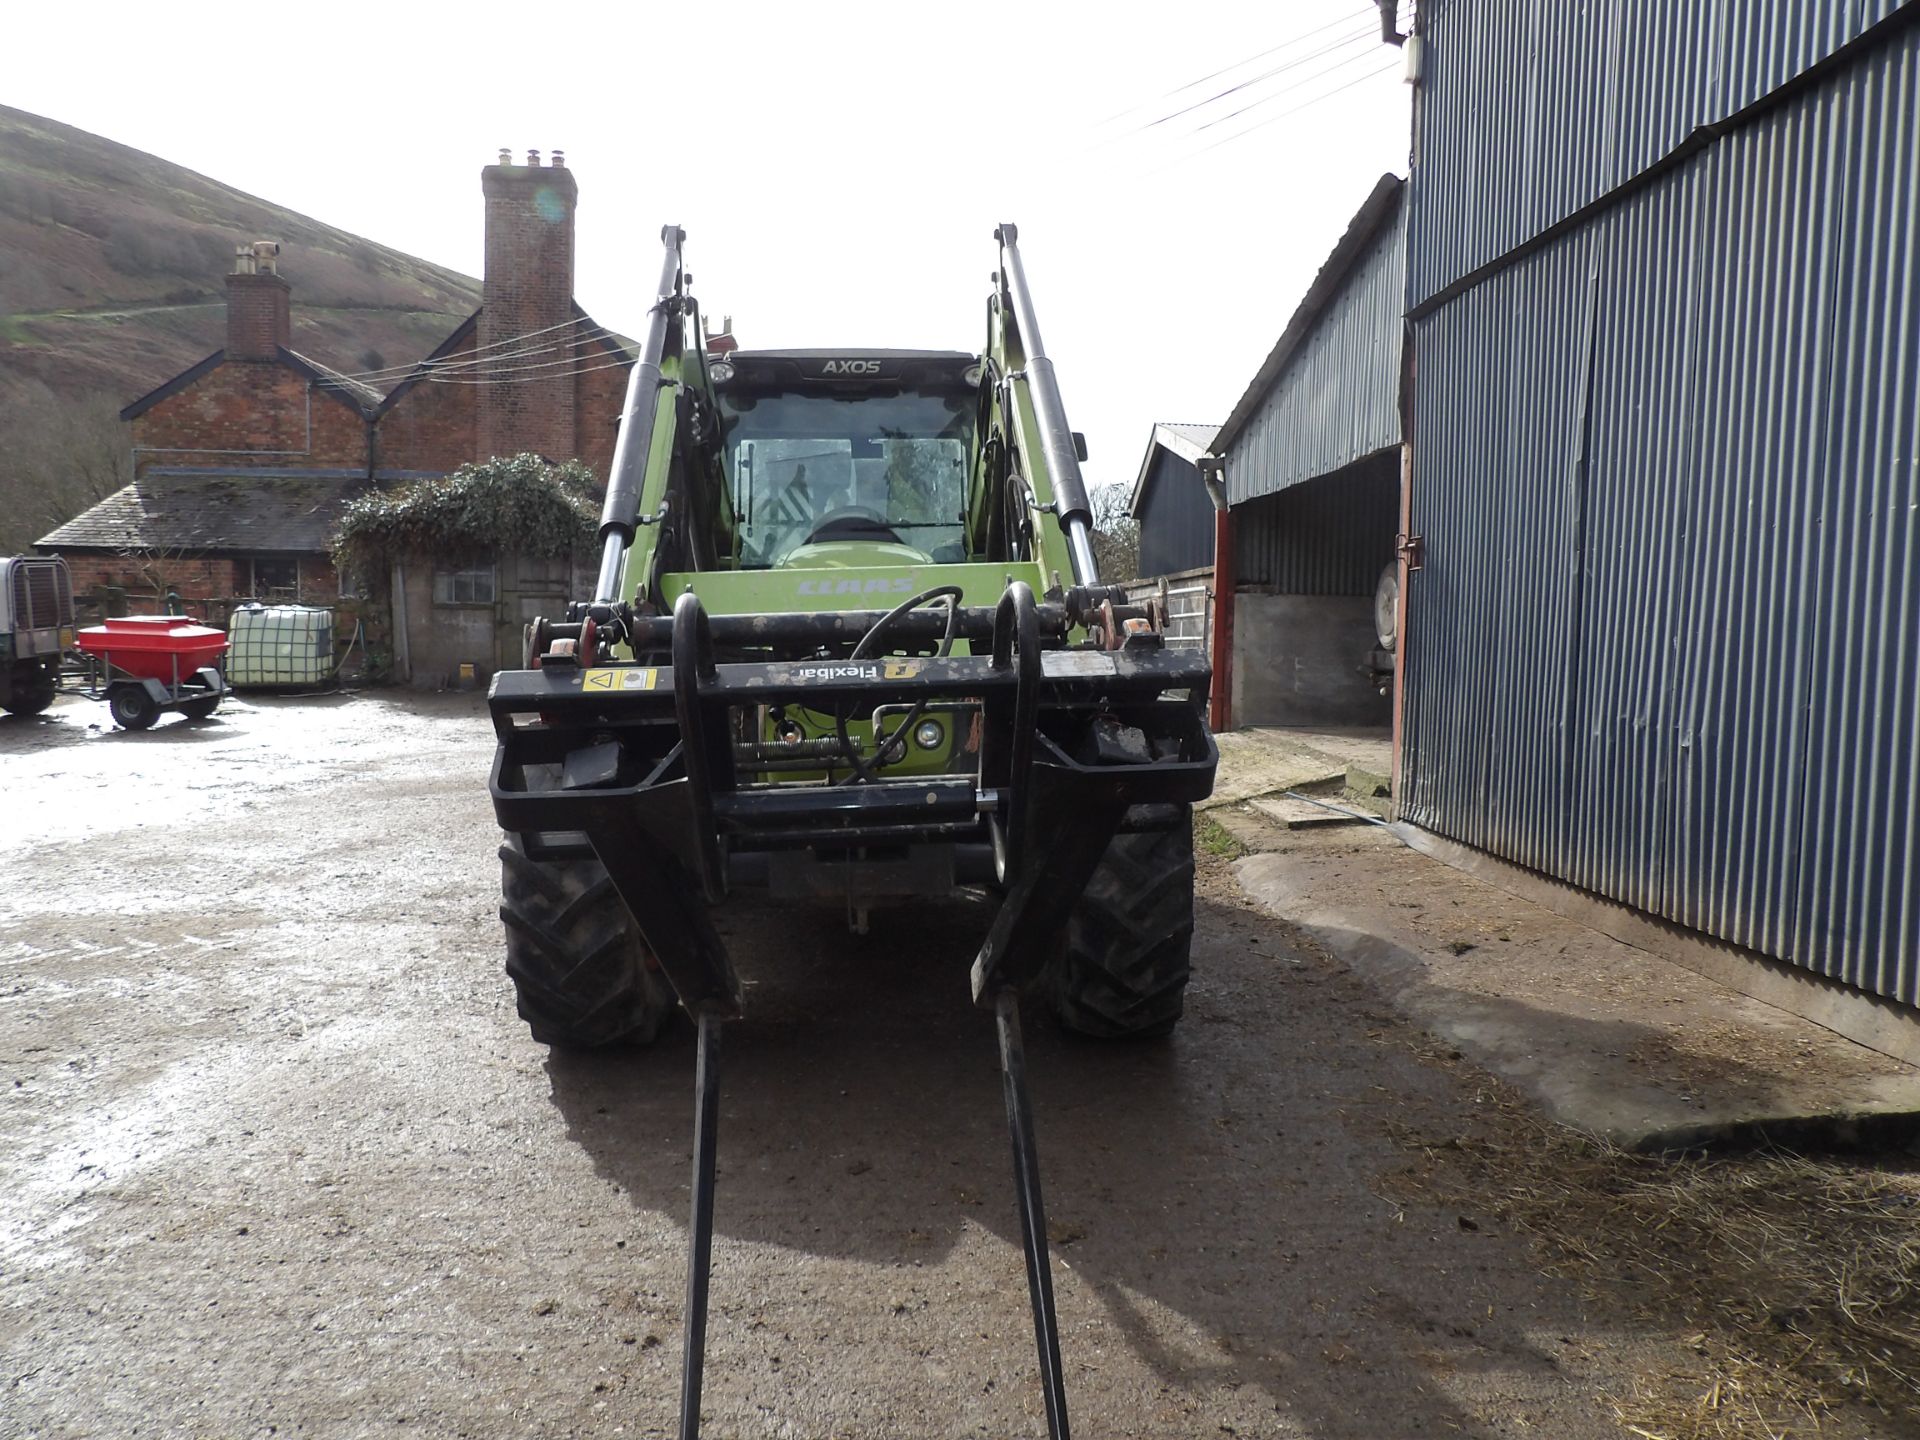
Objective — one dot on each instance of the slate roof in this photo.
(201, 510)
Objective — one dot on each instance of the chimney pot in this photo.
(506, 156)
(559, 159)
(533, 158)
(259, 323)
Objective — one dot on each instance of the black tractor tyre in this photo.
(200, 709)
(30, 689)
(578, 964)
(132, 707)
(1122, 974)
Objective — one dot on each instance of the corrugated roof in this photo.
(1198, 436)
(1380, 206)
(199, 511)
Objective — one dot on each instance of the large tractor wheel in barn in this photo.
(1123, 972)
(578, 964)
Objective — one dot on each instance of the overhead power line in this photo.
(1364, 36)
(1347, 19)
(482, 354)
(1286, 90)
(1386, 69)
(1187, 157)
(609, 364)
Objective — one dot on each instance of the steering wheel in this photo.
(853, 522)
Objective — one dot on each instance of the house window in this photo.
(275, 577)
(468, 585)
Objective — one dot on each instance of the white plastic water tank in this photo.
(280, 645)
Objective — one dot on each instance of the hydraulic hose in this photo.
(861, 769)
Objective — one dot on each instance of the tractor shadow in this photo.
(1209, 1175)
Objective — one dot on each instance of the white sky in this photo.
(839, 169)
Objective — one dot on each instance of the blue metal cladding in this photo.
(1666, 643)
(1330, 536)
(1338, 399)
(1176, 518)
(1532, 111)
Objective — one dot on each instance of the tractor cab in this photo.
(848, 458)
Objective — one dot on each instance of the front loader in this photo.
(848, 643)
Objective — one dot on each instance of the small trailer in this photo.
(149, 664)
(36, 627)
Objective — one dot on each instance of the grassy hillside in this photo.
(111, 266)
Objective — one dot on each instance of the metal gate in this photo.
(1189, 597)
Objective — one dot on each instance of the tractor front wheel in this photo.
(1123, 972)
(576, 958)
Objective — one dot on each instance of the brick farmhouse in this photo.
(243, 462)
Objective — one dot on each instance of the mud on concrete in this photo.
(277, 1157)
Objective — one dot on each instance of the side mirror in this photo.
(1080, 447)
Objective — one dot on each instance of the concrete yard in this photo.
(278, 1158)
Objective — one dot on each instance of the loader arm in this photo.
(1043, 451)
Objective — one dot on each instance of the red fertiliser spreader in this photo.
(154, 663)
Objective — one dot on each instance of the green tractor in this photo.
(848, 640)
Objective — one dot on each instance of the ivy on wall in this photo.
(518, 503)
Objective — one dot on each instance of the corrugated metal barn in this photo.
(1663, 278)
(1170, 502)
(1312, 462)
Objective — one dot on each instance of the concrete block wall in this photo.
(1297, 660)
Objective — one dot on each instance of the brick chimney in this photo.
(258, 320)
(528, 288)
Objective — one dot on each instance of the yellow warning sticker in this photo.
(901, 669)
(621, 678)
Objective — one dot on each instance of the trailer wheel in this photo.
(1123, 972)
(200, 709)
(575, 956)
(30, 689)
(132, 708)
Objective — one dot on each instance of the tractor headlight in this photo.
(719, 371)
(929, 735)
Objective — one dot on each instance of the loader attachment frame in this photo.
(635, 765)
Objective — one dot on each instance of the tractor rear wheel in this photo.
(576, 958)
(1123, 972)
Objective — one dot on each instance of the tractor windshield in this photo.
(814, 468)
